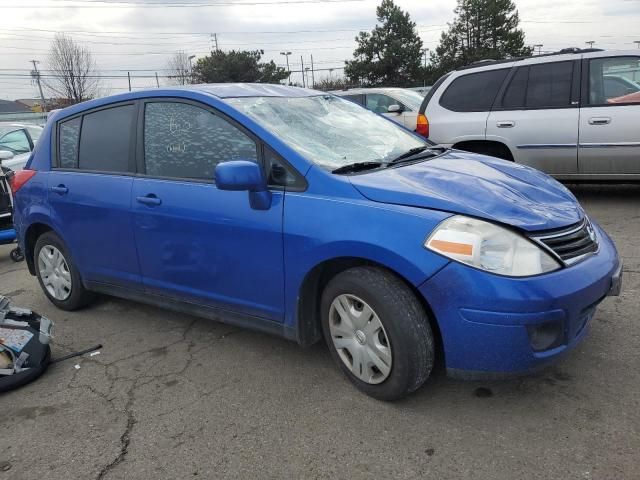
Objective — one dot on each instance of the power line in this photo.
(228, 32)
(181, 5)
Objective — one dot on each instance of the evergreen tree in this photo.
(482, 29)
(237, 66)
(390, 54)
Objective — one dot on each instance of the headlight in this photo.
(489, 247)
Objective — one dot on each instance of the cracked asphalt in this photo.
(172, 396)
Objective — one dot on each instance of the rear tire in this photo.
(58, 276)
(377, 332)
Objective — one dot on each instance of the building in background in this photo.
(33, 104)
(8, 106)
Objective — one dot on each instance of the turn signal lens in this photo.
(422, 126)
(489, 247)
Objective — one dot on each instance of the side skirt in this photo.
(204, 311)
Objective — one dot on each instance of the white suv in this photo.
(574, 114)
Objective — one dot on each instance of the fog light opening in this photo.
(545, 336)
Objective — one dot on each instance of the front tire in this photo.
(377, 332)
(58, 276)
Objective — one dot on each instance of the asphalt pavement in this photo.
(173, 396)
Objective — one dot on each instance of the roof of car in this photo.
(355, 91)
(561, 55)
(230, 90)
(219, 90)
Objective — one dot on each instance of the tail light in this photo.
(20, 178)
(422, 126)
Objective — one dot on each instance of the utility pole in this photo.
(129, 78)
(302, 70)
(36, 75)
(214, 40)
(157, 81)
(286, 54)
(313, 80)
(190, 80)
(590, 43)
(539, 47)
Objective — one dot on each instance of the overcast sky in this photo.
(142, 34)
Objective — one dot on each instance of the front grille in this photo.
(570, 244)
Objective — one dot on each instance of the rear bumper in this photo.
(488, 322)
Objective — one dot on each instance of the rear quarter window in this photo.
(68, 139)
(473, 92)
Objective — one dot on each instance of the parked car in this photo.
(271, 207)
(398, 104)
(16, 143)
(421, 90)
(574, 114)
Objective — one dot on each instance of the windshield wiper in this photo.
(415, 154)
(357, 167)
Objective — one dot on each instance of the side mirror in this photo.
(240, 175)
(5, 155)
(395, 108)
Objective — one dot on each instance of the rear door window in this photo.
(546, 85)
(474, 92)
(186, 141)
(549, 85)
(105, 139)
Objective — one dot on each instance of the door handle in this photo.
(599, 121)
(150, 199)
(60, 189)
(506, 124)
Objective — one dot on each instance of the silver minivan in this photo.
(574, 114)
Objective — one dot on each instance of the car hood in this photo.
(476, 185)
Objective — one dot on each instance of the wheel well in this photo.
(308, 315)
(486, 147)
(31, 237)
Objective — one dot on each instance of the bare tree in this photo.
(179, 67)
(72, 71)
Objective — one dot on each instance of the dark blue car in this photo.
(304, 215)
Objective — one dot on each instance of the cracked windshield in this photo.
(329, 131)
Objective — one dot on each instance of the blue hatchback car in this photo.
(304, 215)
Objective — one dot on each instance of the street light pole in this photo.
(424, 80)
(286, 54)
